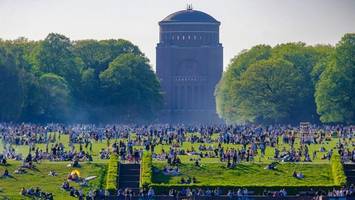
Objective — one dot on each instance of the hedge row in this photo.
(103, 174)
(338, 170)
(112, 174)
(146, 169)
(164, 188)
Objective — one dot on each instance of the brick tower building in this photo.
(189, 65)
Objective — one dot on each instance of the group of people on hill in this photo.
(36, 193)
(253, 139)
(288, 144)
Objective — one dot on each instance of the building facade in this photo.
(189, 65)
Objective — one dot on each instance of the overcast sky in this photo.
(244, 23)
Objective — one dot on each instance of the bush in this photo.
(146, 169)
(338, 170)
(102, 176)
(112, 174)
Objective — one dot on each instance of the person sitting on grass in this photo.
(231, 165)
(176, 161)
(52, 173)
(188, 180)
(197, 163)
(23, 191)
(28, 162)
(307, 158)
(6, 173)
(20, 170)
(65, 185)
(271, 166)
(76, 163)
(194, 180)
(298, 175)
(84, 183)
(3, 160)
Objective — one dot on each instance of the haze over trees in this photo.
(58, 80)
(290, 83)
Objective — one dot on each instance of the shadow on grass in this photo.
(245, 168)
(159, 177)
(7, 177)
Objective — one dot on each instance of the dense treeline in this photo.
(58, 80)
(290, 83)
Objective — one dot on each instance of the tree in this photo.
(55, 98)
(131, 88)
(99, 54)
(21, 50)
(42, 81)
(335, 91)
(96, 56)
(226, 93)
(11, 87)
(309, 61)
(305, 59)
(268, 91)
(55, 55)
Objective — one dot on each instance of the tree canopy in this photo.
(290, 83)
(59, 80)
(335, 90)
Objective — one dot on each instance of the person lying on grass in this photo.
(20, 170)
(298, 175)
(188, 180)
(171, 171)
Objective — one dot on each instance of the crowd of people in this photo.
(253, 140)
(239, 193)
(36, 193)
(228, 144)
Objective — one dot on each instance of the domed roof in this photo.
(189, 15)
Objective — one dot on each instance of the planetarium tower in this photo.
(189, 65)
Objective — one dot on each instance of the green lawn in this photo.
(248, 174)
(64, 139)
(269, 153)
(213, 172)
(10, 187)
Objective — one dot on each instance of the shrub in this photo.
(112, 174)
(338, 170)
(146, 169)
(102, 176)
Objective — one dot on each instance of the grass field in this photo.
(39, 177)
(248, 174)
(212, 172)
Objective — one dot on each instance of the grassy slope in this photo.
(317, 172)
(253, 173)
(96, 147)
(249, 174)
(266, 159)
(39, 178)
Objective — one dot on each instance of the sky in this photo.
(244, 23)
